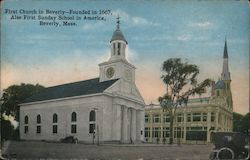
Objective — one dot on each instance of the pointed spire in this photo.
(225, 75)
(225, 49)
(118, 22)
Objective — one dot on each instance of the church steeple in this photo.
(225, 75)
(117, 67)
(225, 49)
(118, 43)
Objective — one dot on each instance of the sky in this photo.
(193, 30)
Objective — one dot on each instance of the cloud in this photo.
(142, 21)
(204, 25)
(184, 37)
(33, 38)
(133, 20)
(93, 26)
(131, 55)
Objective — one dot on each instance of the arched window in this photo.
(92, 122)
(54, 126)
(38, 119)
(73, 117)
(92, 116)
(54, 118)
(26, 120)
(119, 48)
(73, 122)
(26, 127)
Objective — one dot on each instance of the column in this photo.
(161, 132)
(138, 134)
(217, 121)
(139, 125)
(185, 126)
(133, 124)
(208, 126)
(117, 122)
(129, 125)
(124, 123)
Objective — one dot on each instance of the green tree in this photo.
(241, 123)
(7, 130)
(180, 79)
(237, 125)
(16, 94)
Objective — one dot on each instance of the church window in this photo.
(38, 119)
(26, 129)
(73, 128)
(92, 119)
(92, 116)
(156, 118)
(73, 121)
(54, 126)
(54, 118)
(73, 117)
(38, 129)
(26, 120)
(91, 128)
(119, 48)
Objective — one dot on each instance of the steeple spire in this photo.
(225, 75)
(225, 49)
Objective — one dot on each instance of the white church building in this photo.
(110, 106)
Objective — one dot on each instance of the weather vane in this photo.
(118, 22)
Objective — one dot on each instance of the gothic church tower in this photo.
(223, 86)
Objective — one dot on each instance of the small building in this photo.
(195, 121)
(108, 108)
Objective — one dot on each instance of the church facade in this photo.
(201, 117)
(109, 108)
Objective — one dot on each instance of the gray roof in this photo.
(219, 85)
(117, 35)
(86, 87)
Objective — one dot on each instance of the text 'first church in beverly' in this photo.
(110, 106)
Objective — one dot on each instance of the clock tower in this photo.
(117, 67)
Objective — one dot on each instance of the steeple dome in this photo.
(118, 43)
(117, 35)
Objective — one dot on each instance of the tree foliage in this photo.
(16, 94)
(241, 123)
(181, 81)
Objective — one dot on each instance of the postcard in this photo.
(142, 79)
